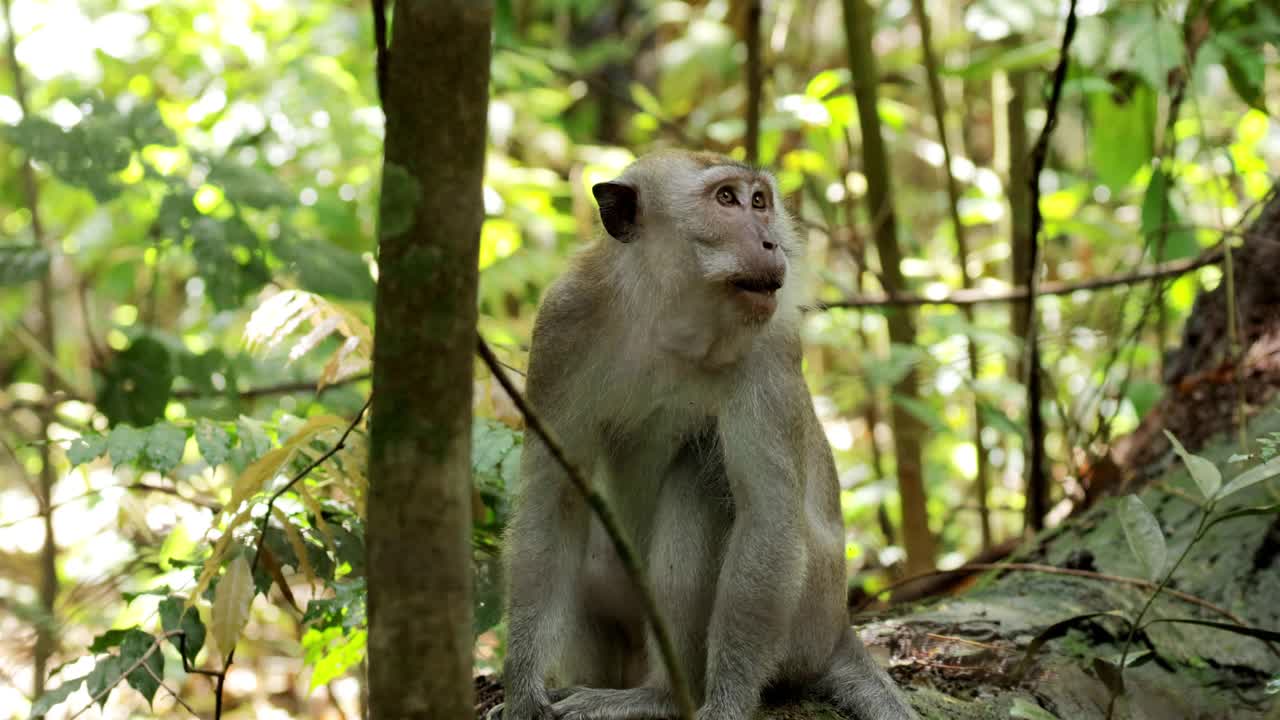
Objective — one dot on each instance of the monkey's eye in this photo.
(757, 201)
(726, 197)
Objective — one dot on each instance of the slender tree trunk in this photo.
(755, 80)
(908, 431)
(436, 100)
(939, 101)
(46, 626)
(1019, 189)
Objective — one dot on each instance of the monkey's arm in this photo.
(550, 526)
(760, 578)
(544, 553)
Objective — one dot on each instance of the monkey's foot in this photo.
(642, 703)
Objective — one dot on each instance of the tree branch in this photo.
(298, 386)
(962, 298)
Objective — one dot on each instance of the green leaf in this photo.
(175, 615)
(22, 263)
(490, 443)
(1157, 50)
(250, 186)
(1253, 632)
(252, 441)
(109, 639)
(1162, 225)
(923, 411)
(1252, 476)
(825, 82)
(1244, 512)
(1145, 539)
(105, 674)
(228, 254)
(125, 444)
(1207, 476)
(165, 444)
(231, 603)
(213, 441)
(510, 472)
(986, 61)
(331, 653)
(137, 644)
(1246, 68)
(1144, 394)
(136, 383)
(1122, 134)
(146, 127)
(325, 268)
(994, 417)
(401, 194)
(85, 448)
(87, 155)
(58, 695)
(1027, 710)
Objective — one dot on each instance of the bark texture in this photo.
(419, 503)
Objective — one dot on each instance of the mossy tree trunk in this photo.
(419, 530)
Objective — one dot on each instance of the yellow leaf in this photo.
(231, 603)
(295, 541)
(310, 501)
(312, 427)
(214, 560)
(257, 475)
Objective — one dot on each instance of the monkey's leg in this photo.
(859, 687)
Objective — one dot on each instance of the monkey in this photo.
(667, 360)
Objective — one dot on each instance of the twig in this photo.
(962, 298)
(174, 695)
(598, 504)
(1037, 489)
(262, 535)
(1052, 570)
(136, 487)
(299, 386)
(155, 645)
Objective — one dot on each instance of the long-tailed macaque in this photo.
(667, 360)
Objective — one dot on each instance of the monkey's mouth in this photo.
(756, 294)
(762, 284)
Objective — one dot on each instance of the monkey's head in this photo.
(708, 220)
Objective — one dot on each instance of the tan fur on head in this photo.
(673, 259)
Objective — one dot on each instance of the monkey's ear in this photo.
(618, 207)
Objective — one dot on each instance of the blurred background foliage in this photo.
(202, 224)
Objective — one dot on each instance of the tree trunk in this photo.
(908, 431)
(436, 98)
(46, 624)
